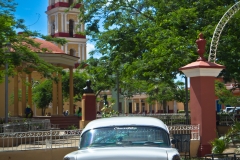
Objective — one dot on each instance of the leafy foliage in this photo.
(145, 42)
(108, 111)
(218, 146)
(79, 82)
(72, 127)
(100, 73)
(17, 49)
(225, 96)
(42, 95)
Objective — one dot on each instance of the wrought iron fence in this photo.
(24, 125)
(31, 140)
(193, 130)
(1, 128)
(228, 119)
(39, 140)
(224, 156)
(167, 118)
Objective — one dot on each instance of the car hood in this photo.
(126, 153)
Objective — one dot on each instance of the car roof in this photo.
(124, 121)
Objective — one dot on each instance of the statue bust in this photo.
(88, 88)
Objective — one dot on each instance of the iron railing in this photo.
(167, 118)
(193, 130)
(26, 126)
(224, 156)
(39, 140)
(31, 140)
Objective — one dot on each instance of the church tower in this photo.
(66, 25)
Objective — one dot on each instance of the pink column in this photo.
(202, 96)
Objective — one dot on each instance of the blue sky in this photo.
(33, 13)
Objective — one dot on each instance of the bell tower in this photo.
(66, 25)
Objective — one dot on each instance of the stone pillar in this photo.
(62, 26)
(132, 106)
(156, 106)
(135, 107)
(71, 90)
(174, 106)
(147, 107)
(125, 106)
(60, 97)
(65, 23)
(202, 97)
(54, 97)
(23, 93)
(16, 95)
(89, 109)
(140, 106)
(30, 90)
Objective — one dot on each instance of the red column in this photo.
(202, 96)
(90, 106)
(89, 109)
(203, 112)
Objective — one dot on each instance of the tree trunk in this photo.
(164, 106)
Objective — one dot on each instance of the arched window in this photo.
(71, 27)
(53, 28)
(70, 2)
(72, 52)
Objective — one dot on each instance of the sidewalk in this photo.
(233, 149)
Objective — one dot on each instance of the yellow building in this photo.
(63, 25)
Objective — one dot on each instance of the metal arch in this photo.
(218, 30)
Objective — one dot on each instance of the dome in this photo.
(48, 45)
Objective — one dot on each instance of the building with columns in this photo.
(61, 24)
(138, 104)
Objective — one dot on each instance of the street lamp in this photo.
(6, 85)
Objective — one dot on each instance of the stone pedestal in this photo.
(202, 100)
(89, 111)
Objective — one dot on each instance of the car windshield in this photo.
(125, 136)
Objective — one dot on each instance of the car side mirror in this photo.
(173, 141)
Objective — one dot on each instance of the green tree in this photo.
(180, 93)
(21, 52)
(100, 72)
(225, 95)
(79, 82)
(150, 40)
(42, 95)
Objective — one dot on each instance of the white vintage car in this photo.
(125, 138)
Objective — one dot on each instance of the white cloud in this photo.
(90, 47)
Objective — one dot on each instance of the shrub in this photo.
(218, 145)
(72, 127)
(108, 111)
(182, 111)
